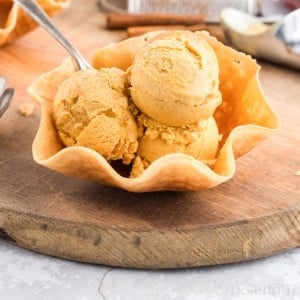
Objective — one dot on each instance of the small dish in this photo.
(279, 43)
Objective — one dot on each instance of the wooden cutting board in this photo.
(256, 214)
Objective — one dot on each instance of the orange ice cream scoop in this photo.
(175, 79)
(91, 109)
(199, 140)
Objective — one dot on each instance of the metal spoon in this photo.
(3, 84)
(38, 14)
(5, 99)
(279, 43)
(5, 95)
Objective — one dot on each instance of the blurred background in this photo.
(265, 29)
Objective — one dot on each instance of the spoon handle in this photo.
(37, 13)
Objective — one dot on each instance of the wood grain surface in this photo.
(255, 214)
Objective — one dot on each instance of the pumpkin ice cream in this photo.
(175, 84)
(239, 124)
(199, 140)
(91, 109)
(175, 79)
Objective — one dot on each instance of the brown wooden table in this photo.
(255, 214)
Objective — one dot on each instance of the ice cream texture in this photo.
(91, 109)
(174, 83)
(239, 124)
(175, 79)
(173, 86)
(199, 140)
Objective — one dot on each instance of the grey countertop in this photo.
(29, 275)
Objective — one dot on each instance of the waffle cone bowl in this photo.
(244, 120)
(14, 22)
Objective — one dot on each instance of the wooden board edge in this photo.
(211, 245)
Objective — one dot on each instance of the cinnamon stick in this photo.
(213, 29)
(121, 21)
